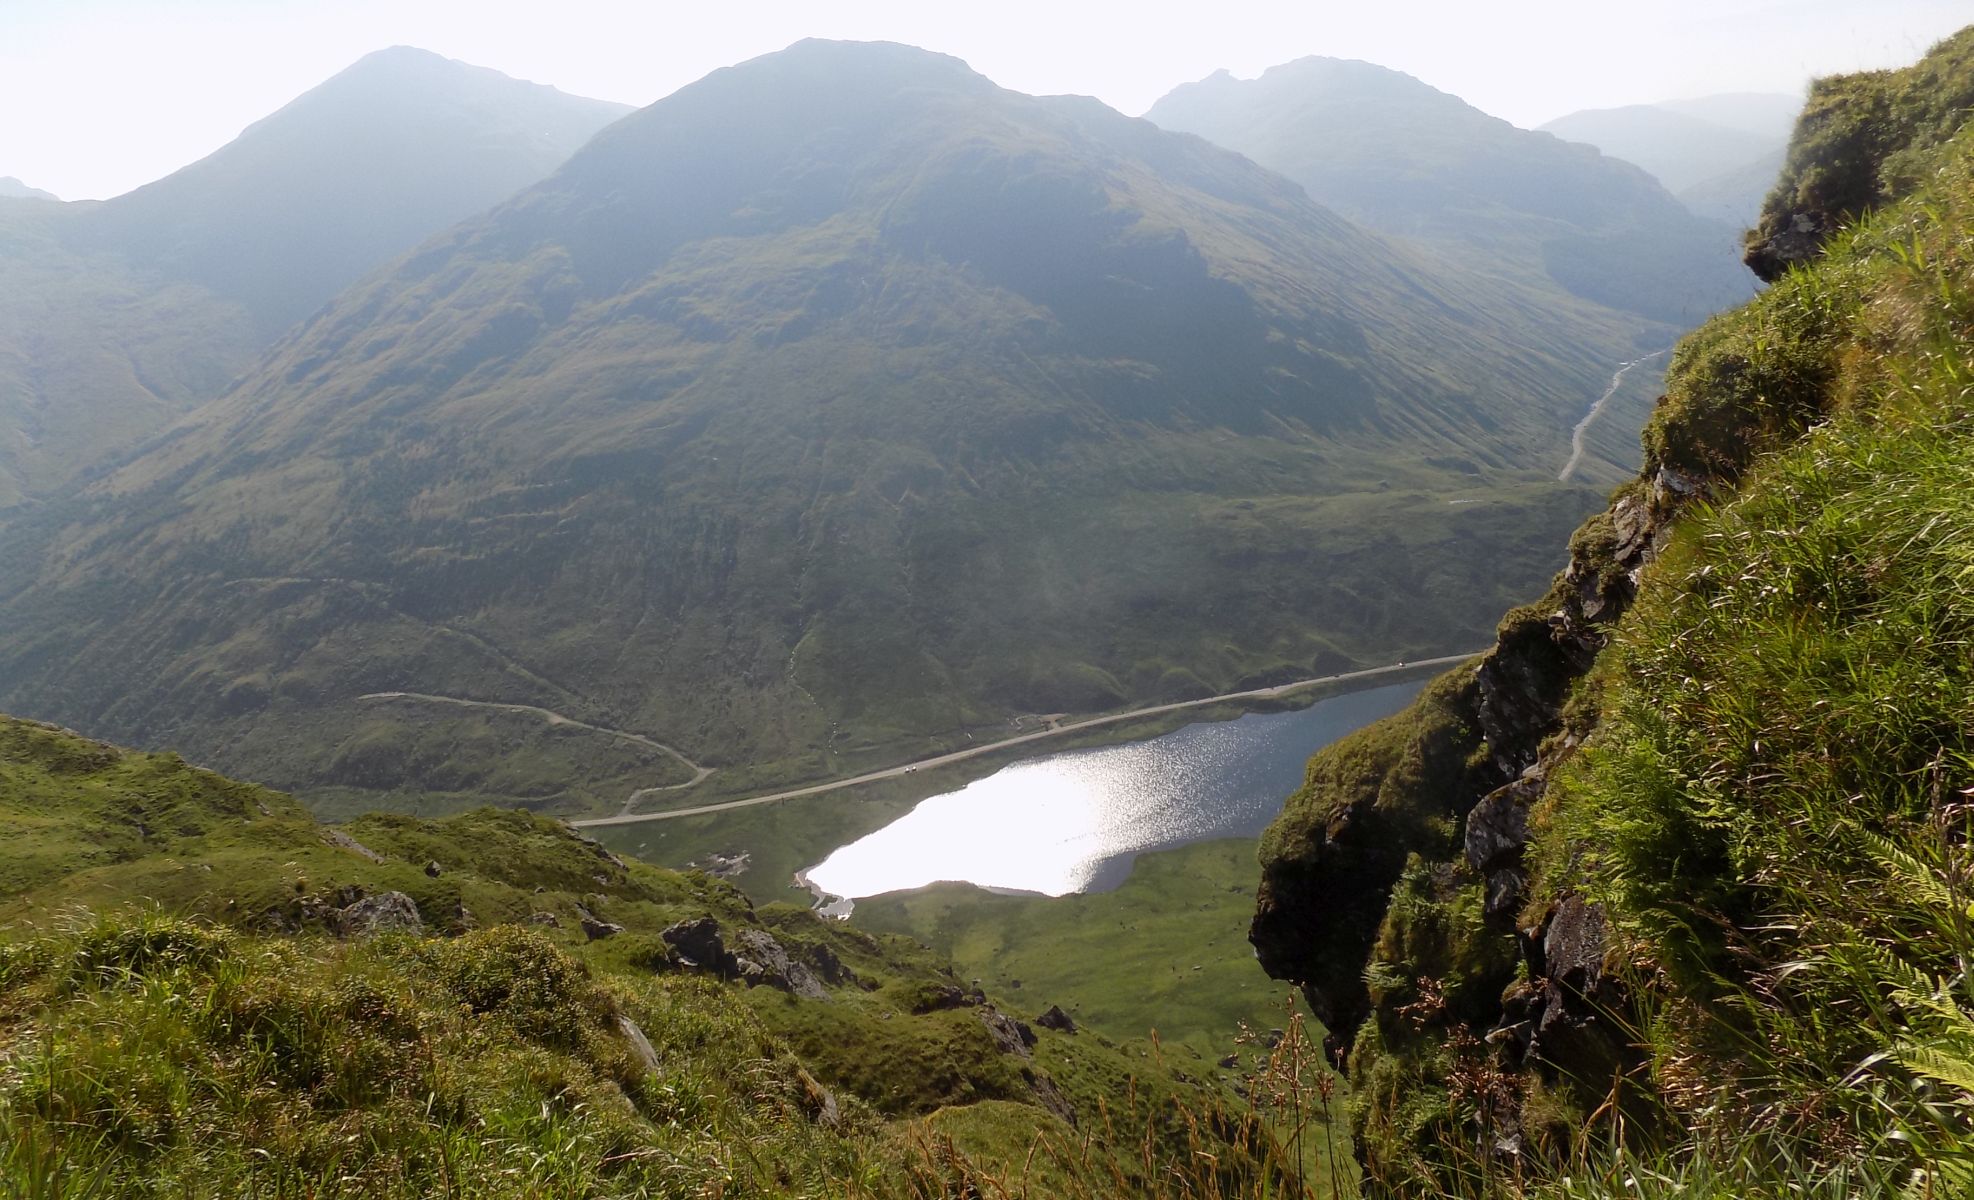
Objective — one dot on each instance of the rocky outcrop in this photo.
(1796, 238)
(1497, 836)
(1012, 1036)
(763, 961)
(1331, 859)
(1475, 752)
(754, 957)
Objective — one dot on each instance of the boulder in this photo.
(698, 944)
(434, 869)
(596, 930)
(640, 1045)
(546, 919)
(386, 912)
(943, 996)
(1057, 1020)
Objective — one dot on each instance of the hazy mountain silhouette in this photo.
(1405, 158)
(117, 316)
(1687, 143)
(838, 402)
(13, 189)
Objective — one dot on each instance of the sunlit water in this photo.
(1072, 822)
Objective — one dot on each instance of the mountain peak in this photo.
(13, 189)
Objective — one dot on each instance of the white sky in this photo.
(99, 96)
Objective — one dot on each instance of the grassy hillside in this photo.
(834, 408)
(1670, 896)
(1164, 951)
(202, 991)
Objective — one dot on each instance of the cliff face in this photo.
(1546, 890)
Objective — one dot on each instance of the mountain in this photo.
(121, 315)
(1737, 196)
(1769, 114)
(838, 406)
(1545, 216)
(1670, 883)
(1681, 145)
(13, 189)
(349, 175)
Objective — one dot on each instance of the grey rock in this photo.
(1010, 1035)
(640, 1045)
(386, 912)
(434, 869)
(596, 930)
(1496, 841)
(343, 841)
(547, 919)
(763, 961)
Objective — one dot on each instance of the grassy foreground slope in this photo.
(204, 992)
(1667, 894)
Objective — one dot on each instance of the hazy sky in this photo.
(99, 96)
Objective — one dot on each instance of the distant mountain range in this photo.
(13, 189)
(1719, 154)
(834, 406)
(117, 316)
(1404, 158)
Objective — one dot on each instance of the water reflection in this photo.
(1072, 822)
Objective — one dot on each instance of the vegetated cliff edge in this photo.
(1673, 865)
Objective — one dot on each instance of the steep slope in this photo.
(840, 402)
(1680, 148)
(122, 315)
(203, 990)
(1405, 158)
(1668, 886)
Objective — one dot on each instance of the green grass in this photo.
(177, 1017)
(1166, 951)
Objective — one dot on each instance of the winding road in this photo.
(940, 760)
(555, 718)
(1578, 435)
